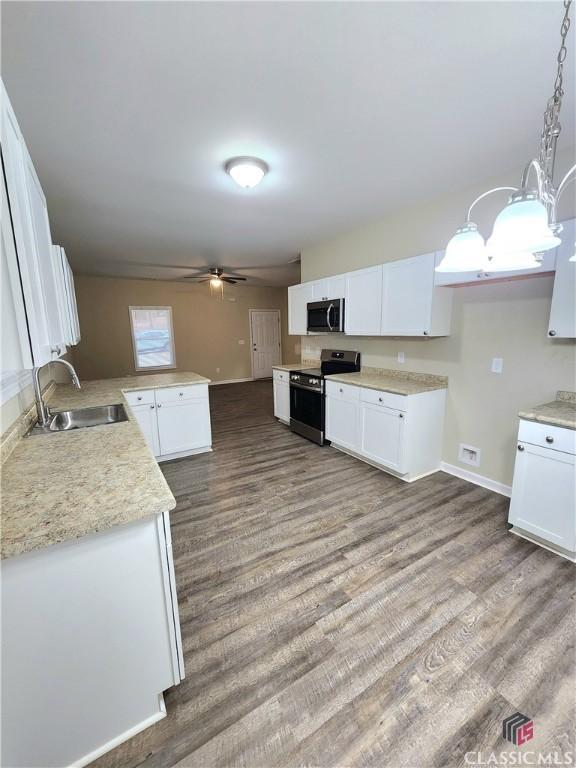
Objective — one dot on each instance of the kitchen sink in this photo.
(87, 417)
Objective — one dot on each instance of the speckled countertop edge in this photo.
(558, 413)
(102, 476)
(393, 381)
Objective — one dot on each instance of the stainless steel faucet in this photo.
(41, 408)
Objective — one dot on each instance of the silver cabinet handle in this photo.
(426, 333)
(181, 394)
(400, 415)
(152, 407)
(551, 333)
(549, 439)
(138, 398)
(159, 405)
(340, 390)
(379, 399)
(55, 350)
(520, 447)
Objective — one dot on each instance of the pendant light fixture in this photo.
(527, 226)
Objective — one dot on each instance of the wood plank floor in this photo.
(335, 616)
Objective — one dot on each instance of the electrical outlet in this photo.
(241, 341)
(401, 357)
(467, 454)
(217, 370)
(497, 365)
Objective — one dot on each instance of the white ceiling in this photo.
(130, 110)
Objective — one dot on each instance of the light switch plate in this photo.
(240, 341)
(401, 357)
(497, 365)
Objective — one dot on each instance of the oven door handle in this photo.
(303, 386)
(330, 308)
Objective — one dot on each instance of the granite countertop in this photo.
(289, 367)
(559, 413)
(396, 382)
(65, 485)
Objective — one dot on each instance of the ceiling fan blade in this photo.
(228, 280)
(235, 277)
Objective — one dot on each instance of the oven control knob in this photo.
(313, 381)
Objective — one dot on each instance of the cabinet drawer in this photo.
(557, 438)
(387, 399)
(280, 375)
(342, 391)
(141, 397)
(188, 392)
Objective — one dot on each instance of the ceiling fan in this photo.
(216, 277)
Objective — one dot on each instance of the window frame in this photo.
(138, 367)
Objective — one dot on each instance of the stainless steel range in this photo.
(307, 410)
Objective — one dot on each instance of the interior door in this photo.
(266, 344)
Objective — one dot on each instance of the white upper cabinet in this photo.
(329, 288)
(32, 267)
(66, 297)
(298, 298)
(563, 310)
(363, 307)
(411, 304)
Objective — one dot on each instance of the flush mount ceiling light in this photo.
(246, 171)
(527, 226)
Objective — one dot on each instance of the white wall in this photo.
(507, 320)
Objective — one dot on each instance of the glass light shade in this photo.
(247, 172)
(573, 258)
(511, 262)
(521, 228)
(215, 282)
(465, 252)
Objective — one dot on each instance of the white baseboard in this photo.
(122, 737)
(231, 381)
(473, 477)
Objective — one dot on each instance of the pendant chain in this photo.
(552, 127)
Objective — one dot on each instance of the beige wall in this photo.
(206, 329)
(508, 320)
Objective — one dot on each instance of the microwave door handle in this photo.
(330, 308)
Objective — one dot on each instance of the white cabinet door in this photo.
(342, 423)
(146, 417)
(382, 436)
(183, 426)
(543, 493)
(70, 299)
(32, 269)
(329, 288)
(562, 323)
(298, 298)
(282, 400)
(363, 307)
(408, 286)
(45, 259)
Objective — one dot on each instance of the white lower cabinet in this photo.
(398, 433)
(543, 503)
(90, 640)
(281, 395)
(145, 415)
(183, 426)
(382, 431)
(175, 421)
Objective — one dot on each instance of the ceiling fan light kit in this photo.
(527, 226)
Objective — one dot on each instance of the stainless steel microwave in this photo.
(325, 316)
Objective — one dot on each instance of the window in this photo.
(152, 337)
